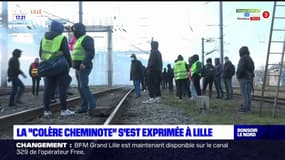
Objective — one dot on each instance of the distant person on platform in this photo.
(170, 77)
(136, 74)
(154, 68)
(218, 78)
(13, 73)
(164, 79)
(245, 76)
(228, 73)
(82, 55)
(34, 74)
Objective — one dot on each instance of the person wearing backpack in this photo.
(229, 71)
(33, 71)
(209, 75)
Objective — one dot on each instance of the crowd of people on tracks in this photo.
(56, 62)
(193, 78)
(55, 49)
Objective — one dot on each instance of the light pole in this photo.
(221, 25)
(203, 47)
(80, 12)
(4, 42)
(203, 50)
(221, 33)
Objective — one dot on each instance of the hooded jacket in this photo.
(245, 66)
(55, 30)
(87, 44)
(14, 65)
(229, 69)
(155, 60)
(136, 69)
(199, 69)
(218, 68)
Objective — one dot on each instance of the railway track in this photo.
(109, 105)
(281, 101)
(6, 91)
(266, 99)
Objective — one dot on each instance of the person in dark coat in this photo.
(33, 71)
(245, 76)
(164, 79)
(82, 55)
(136, 74)
(61, 80)
(143, 82)
(209, 76)
(170, 73)
(218, 78)
(13, 73)
(229, 71)
(154, 68)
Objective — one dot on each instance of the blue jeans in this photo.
(137, 87)
(229, 87)
(192, 89)
(15, 84)
(51, 84)
(245, 90)
(218, 86)
(88, 101)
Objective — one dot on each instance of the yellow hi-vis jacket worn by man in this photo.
(180, 70)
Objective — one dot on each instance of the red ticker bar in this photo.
(255, 18)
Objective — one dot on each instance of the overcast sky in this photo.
(178, 26)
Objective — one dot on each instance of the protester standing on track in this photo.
(245, 75)
(13, 73)
(82, 55)
(53, 45)
(154, 69)
(136, 74)
(34, 74)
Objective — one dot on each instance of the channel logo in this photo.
(251, 14)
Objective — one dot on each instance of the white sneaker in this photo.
(47, 113)
(66, 112)
(149, 101)
(157, 100)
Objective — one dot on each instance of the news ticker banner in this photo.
(148, 132)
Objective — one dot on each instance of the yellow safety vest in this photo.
(51, 48)
(180, 71)
(78, 53)
(194, 68)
